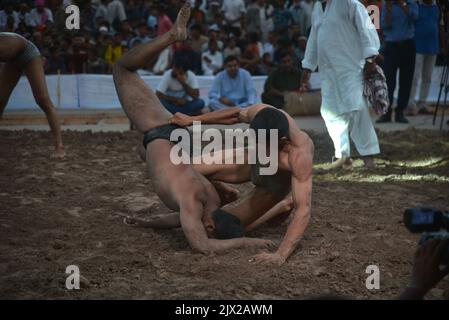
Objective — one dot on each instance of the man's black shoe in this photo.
(401, 119)
(384, 118)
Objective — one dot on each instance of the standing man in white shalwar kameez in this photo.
(344, 44)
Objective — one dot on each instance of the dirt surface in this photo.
(57, 213)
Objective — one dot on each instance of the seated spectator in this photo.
(96, 64)
(197, 14)
(232, 87)
(114, 50)
(152, 18)
(55, 62)
(300, 49)
(266, 65)
(40, 16)
(13, 16)
(252, 19)
(178, 90)
(24, 15)
(10, 24)
(270, 46)
(127, 33)
(302, 16)
(133, 12)
(143, 35)
(197, 40)
(286, 45)
(234, 13)
(231, 49)
(251, 57)
(102, 11)
(116, 14)
(164, 23)
(100, 44)
(162, 63)
(183, 51)
(211, 12)
(212, 60)
(23, 30)
(87, 14)
(284, 79)
(282, 17)
(213, 36)
(77, 55)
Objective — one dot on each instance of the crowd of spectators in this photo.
(259, 34)
(254, 31)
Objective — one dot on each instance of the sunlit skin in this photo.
(12, 46)
(180, 187)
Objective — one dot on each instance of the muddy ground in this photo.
(57, 213)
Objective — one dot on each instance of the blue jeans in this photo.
(190, 108)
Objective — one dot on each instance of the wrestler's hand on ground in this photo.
(259, 243)
(58, 153)
(181, 120)
(268, 258)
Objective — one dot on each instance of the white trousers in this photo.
(424, 66)
(359, 126)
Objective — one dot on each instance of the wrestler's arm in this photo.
(196, 235)
(281, 207)
(302, 199)
(225, 116)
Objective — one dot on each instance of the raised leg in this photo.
(139, 102)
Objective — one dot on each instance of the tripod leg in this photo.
(443, 82)
(442, 117)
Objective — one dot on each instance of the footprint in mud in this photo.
(137, 202)
(27, 201)
(74, 212)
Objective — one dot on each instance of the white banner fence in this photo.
(93, 91)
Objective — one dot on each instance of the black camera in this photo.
(429, 222)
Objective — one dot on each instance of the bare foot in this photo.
(343, 163)
(59, 153)
(180, 26)
(369, 163)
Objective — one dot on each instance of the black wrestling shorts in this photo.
(162, 132)
(30, 52)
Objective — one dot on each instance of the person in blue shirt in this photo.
(398, 19)
(427, 31)
(232, 87)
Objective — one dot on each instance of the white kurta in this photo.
(342, 37)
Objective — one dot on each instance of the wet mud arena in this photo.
(57, 213)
